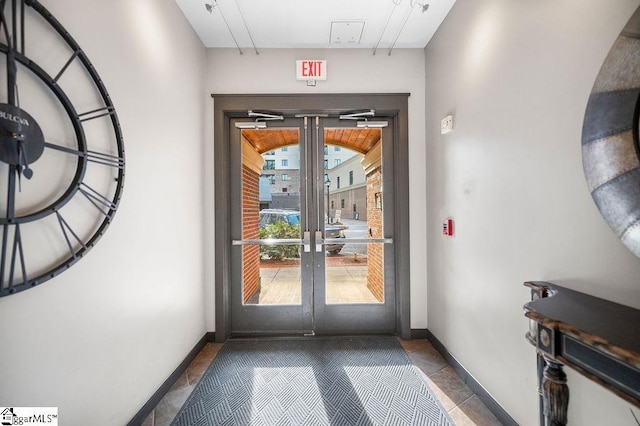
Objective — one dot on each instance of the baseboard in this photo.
(470, 381)
(419, 333)
(147, 408)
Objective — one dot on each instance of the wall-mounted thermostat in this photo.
(446, 125)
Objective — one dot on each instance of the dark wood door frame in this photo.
(230, 106)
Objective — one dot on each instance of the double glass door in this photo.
(312, 244)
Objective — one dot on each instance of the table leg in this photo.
(555, 394)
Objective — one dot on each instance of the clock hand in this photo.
(19, 172)
(12, 70)
(26, 171)
(19, 166)
(22, 168)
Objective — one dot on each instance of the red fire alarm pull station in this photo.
(447, 227)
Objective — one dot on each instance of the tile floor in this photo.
(464, 407)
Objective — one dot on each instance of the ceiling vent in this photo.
(346, 32)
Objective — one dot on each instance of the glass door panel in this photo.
(354, 269)
(271, 291)
(355, 292)
(271, 216)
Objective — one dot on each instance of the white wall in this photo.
(516, 75)
(348, 71)
(99, 339)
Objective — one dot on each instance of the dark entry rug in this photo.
(337, 381)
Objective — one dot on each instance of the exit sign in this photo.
(311, 70)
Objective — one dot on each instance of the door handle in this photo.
(306, 241)
(267, 242)
(358, 241)
(319, 242)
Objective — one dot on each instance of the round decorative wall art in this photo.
(610, 148)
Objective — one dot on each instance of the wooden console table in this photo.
(595, 337)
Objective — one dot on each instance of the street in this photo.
(357, 229)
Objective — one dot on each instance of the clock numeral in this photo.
(101, 202)
(64, 68)
(21, 47)
(17, 253)
(15, 44)
(93, 156)
(96, 113)
(64, 226)
(17, 24)
(105, 159)
(3, 22)
(22, 26)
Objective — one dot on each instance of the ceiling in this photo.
(379, 25)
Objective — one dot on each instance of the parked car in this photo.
(292, 217)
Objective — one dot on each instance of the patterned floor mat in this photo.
(316, 381)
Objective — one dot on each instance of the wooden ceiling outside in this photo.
(359, 140)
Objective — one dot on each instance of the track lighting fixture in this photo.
(412, 3)
(210, 6)
(423, 6)
(213, 4)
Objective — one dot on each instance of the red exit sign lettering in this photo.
(311, 70)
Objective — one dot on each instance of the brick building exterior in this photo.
(251, 168)
(372, 164)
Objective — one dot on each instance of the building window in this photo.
(285, 162)
(337, 162)
(326, 150)
(284, 176)
(342, 203)
(272, 178)
(351, 177)
(338, 182)
(285, 148)
(271, 153)
(336, 148)
(333, 204)
(284, 189)
(269, 165)
(326, 164)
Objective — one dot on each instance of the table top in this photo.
(610, 326)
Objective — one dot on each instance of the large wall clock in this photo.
(610, 137)
(61, 149)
